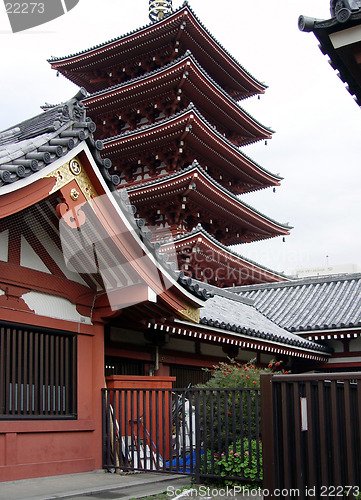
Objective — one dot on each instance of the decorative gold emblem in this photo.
(75, 167)
(74, 194)
(73, 171)
(191, 313)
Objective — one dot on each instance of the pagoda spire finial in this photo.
(158, 9)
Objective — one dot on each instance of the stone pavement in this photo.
(94, 485)
(101, 485)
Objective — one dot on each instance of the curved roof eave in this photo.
(199, 231)
(195, 167)
(342, 63)
(109, 92)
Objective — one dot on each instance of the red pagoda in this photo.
(165, 102)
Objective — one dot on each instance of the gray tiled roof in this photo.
(322, 303)
(34, 143)
(223, 312)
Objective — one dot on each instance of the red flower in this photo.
(278, 363)
(224, 373)
(254, 382)
(286, 372)
(246, 369)
(247, 377)
(229, 413)
(212, 371)
(270, 365)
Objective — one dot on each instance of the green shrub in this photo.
(230, 413)
(237, 375)
(242, 463)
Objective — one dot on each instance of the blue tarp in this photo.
(179, 463)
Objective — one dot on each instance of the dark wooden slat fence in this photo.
(311, 435)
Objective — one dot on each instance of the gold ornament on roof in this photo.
(73, 170)
(75, 167)
(191, 313)
(158, 9)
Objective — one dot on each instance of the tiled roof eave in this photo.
(334, 331)
(246, 339)
(79, 130)
(28, 150)
(333, 22)
(224, 51)
(322, 29)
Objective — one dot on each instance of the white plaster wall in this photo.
(356, 359)
(53, 307)
(33, 261)
(4, 245)
(30, 259)
(58, 257)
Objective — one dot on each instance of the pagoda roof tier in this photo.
(192, 191)
(176, 33)
(188, 130)
(183, 80)
(204, 258)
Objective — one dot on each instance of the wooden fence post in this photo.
(267, 434)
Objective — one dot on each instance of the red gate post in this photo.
(148, 407)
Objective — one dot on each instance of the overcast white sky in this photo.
(316, 147)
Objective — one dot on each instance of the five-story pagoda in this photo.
(165, 102)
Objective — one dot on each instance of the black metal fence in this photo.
(311, 435)
(201, 432)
